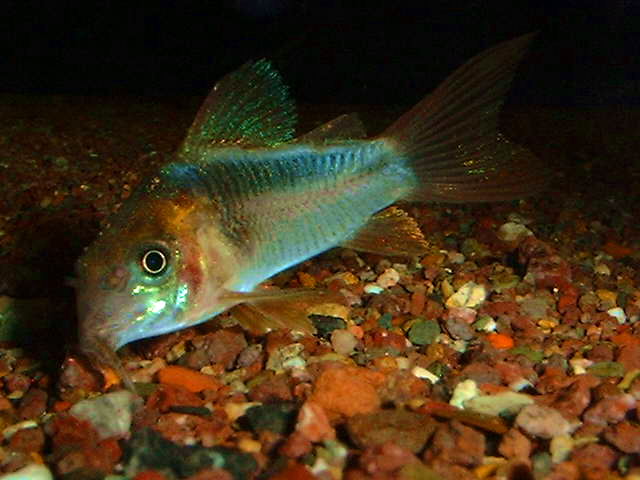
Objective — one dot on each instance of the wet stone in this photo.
(276, 417)
(424, 332)
(455, 443)
(406, 429)
(324, 325)
(148, 450)
(625, 437)
(543, 422)
(33, 404)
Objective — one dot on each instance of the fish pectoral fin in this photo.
(268, 309)
(250, 107)
(390, 232)
(342, 128)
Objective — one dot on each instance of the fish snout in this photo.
(116, 279)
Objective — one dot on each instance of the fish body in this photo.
(243, 200)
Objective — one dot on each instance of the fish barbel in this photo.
(243, 200)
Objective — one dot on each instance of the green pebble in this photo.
(541, 464)
(424, 332)
(534, 355)
(606, 369)
(385, 321)
(325, 325)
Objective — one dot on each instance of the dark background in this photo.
(330, 51)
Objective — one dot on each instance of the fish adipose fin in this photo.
(451, 137)
(390, 232)
(268, 309)
(250, 107)
(343, 128)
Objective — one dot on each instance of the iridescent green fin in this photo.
(451, 137)
(342, 128)
(250, 107)
(269, 309)
(390, 232)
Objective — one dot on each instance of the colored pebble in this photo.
(314, 424)
(470, 295)
(503, 403)
(110, 414)
(324, 325)
(500, 341)
(616, 250)
(348, 391)
(277, 417)
(606, 369)
(343, 342)
(618, 314)
(560, 448)
(30, 472)
(511, 232)
(191, 380)
(388, 278)
(373, 289)
(465, 390)
(542, 422)
(423, 332)
(406, 429)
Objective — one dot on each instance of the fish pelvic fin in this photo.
(269, 309)
(451, 138)
(390, 232)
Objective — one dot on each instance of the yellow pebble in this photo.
(547, 323)
(306, 280)
(249, 445)
(607, 296)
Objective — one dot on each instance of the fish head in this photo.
(147, 273)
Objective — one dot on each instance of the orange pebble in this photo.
(500, 341)
(616, 250)
(348, 391)
(110, 378)
(149, 475)
(61, 406)
(356, 330)
(192, 380)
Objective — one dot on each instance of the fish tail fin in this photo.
(451, 138)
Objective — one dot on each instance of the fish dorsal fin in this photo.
(390, 232)
(250, 107)
(342, 128)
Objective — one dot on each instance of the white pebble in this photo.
(421, 372)
(511, 231)
(34, 471)
(343, 341)
(465, 390)
(469, 295)
(110, 414)
(388, 278)
(602, 269)
(618, 313)
(373, 289)
(579, 365)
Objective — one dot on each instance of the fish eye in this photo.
(154, 261)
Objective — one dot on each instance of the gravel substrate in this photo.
(511, 350)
